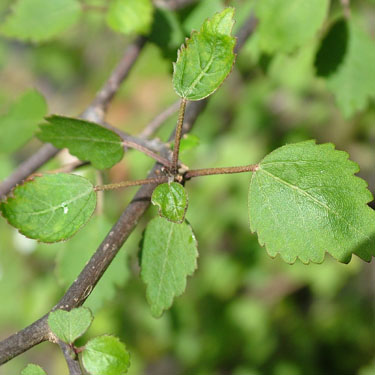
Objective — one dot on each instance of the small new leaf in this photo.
(304, 200)
(169, 255)
(106, 355)
(130, 16)
(207, 59)
(172, 201)
(86, 140)
(50, 208)
(32, 369)
(69, 325)
(18, 125)
(40, 20)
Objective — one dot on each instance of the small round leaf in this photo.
(172, 201)
(106, 355)
(69, 325)
(32, 369)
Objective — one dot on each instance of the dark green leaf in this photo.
(106, 355)
(69, 325)
(32, 369)
(304, 200)
(40, 20)
(169, 255)
(333, 48)
(172, 200)
(86, 140)
(19, 124)
(207, 59)
(51, 207)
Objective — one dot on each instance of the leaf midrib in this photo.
(318, 202)
(61, 205)
(165, 261)
(94, 140)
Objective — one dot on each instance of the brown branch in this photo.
(81, 288)
(71, 359)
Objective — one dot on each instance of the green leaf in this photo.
(304, 200)
(51, 207)
(69, 325)
(172, 201)
(188, 142)
(32, 369)
(18, 125)
(207, 59)
(169, 255)
(106, 355)
(40, 20)
(74, 254)
(86, 140)
(333, 48)
(130, 16)
(353, 82)
(285, 25)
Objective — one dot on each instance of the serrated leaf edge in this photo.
(263, 243)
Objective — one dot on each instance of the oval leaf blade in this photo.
(50, 208)
(69, 325)
(207, 59)
(105, 355)
(169, 255)
(304, 200)
(172, 201)
(86, 140)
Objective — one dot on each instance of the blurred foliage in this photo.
(243, 313)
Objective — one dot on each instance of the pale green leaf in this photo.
(40, 20)
(169, 255)
(69, 325)
(207, 59)
(286, 25)
(74, 254)
(86, 140)
(172, 200)
(130, 16)
(353, 83)
(106, 355)
(18, 125)
(32, 369)
(51, 207)
(304, 200)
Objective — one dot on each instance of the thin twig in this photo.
(225, 170)
(346, 6)
(160, 159)
(81, 288)
(159, 120)
(71, 359)
(124, 184)
(178, 134)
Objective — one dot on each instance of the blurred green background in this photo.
(243, 313)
